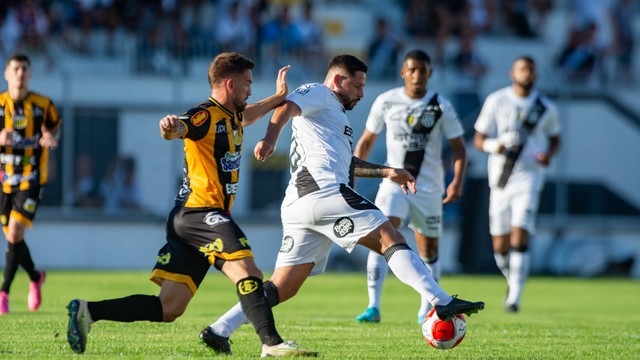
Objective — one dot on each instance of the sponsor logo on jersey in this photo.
(302, 90)
(433, 220)
(213, 219)
(221, 129)
(213, 247)
(30, 205)
(231, 188)
(287, 244)
(163, 259)
(20, 142)
(230, 162)
(343, 227)
(237, 139)
(199, 118)
(247, 286)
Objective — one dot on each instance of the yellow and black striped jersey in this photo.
(212, 148)
(25, 162)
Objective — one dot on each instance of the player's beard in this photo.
(346, 102)
(240, 105)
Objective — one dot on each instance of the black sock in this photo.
(10, 268)
(271, 292)
(24, 257)
(127, 309)
(254, 304)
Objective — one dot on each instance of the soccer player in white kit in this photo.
(321, 208)
(416, 120)
(519, 128)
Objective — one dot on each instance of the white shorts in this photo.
(314, 222)
(512, 206)
(423, 209)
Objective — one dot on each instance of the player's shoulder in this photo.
(307, 88)
(39, 98)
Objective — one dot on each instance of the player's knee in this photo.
(171, 314)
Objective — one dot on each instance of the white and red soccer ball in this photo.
(443, 334)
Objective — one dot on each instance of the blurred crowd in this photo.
(278, 32)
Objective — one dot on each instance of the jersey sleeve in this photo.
(310, 98)
(375, 121)
(52, 120)
(486, 122)
(451, 126)
(197, 121)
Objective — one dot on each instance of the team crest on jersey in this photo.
(199, 118)
(343, 227)
(217, 246)
(19, 121)
(287, 244)
(237, 139)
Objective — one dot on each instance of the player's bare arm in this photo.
(554, 146)
(454, 189)
(401, 176)
(171, 127)
(6, 137)
(255, 111)
(365, 144)
(281, 116)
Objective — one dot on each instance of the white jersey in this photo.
(321, 150)
(502, 116)
(415, 128)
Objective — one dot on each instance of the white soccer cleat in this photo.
(286, 349)
(79, 325)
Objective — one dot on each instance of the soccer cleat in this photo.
(458, 306)
(4, 303)
(286, 349)
(79, 325)
(511, 308)
(216, 342)
(370, 315)
(35, 296)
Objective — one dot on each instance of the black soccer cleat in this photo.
(458, 306)
(511, 308)
(219, 344)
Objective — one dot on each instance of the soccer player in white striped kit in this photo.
(519, 128)
(321, 208)
(416, 120)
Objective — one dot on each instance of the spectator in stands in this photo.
(10, 32)
(453, 19)
(119, 187)
(622, 14)
(579, 56)
(421, 22)
(86, 187)
(281, 38)
(311, 41)
(234, 31)
(383, 52)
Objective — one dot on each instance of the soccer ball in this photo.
(443, 334)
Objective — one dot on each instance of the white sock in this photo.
(519, 266)
(502, 261)
(376, 273)
(408, 268)
(230, 321)
(434, 267)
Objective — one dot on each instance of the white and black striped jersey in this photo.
(502, 116)
(415, 128)
(321, 142)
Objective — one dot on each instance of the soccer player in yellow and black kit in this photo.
(200, 229)
(30, 128)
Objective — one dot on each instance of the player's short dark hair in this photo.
(227, 64)
(417, 55)
(525, 58)
(348, 63)
(19, 58)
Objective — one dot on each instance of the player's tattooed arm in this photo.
(401, 176)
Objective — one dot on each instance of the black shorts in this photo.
(20, 205)
(197, 239)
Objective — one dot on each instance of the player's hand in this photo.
(48, 140)
(169, 126)
(404, 178)
(6, 137)
(454, 192)
(281, 83)
(543, 158)
(263, 150)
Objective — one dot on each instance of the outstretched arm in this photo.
(255, 111)
(403, 177)
(171, 127)
(281, 115)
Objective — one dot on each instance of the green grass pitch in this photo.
(560, 318)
